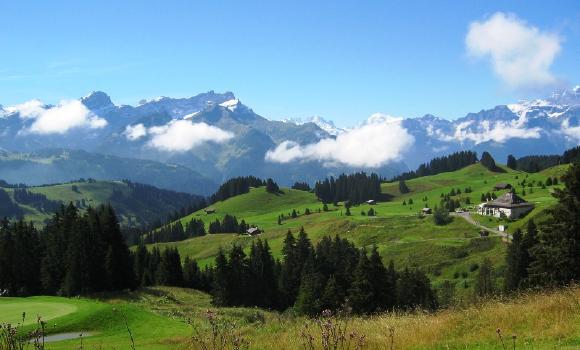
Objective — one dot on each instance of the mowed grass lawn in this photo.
(104, 321)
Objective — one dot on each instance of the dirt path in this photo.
(467, 217)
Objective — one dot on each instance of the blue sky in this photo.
(340, 60)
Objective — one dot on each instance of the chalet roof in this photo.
(502, 185)
(509, 200)
(253, 230)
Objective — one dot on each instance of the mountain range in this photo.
(193, 144)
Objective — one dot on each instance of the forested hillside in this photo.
(137, 205)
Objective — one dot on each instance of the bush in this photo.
(473, 267)
(441, 216)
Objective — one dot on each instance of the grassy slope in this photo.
(398, 232)
(94, 194)
(157, 318)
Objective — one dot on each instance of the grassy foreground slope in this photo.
(157, 318)
(449, 252)
(131, 205)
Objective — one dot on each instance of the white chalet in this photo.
(509, 204)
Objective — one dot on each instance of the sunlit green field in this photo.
(447, 252)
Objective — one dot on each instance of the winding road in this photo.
(467, 217)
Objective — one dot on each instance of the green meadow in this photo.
(164, 318)
(451, 252)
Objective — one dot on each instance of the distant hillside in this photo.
(451, 252)
(60, 165)
(137, 205)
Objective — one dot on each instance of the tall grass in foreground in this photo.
(534, 320)
(12, 337)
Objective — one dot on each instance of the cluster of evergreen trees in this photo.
(271, 186)
(452, 162)
(488, 162)
(534, 164)
(355, 188)
(549, 254)
(229, 224)
(174, 232)
(7, 207)
(236, 186)
(302, 186)
(164, 268)
(73, 254)
(36, 200)
(310, 279)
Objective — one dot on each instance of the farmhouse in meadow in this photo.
(508, 204)
(253, 231)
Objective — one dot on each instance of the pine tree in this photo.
(263, 280)
(515, 269)
(380, 282)
(221, 283)
(512, 162)
(361, 293)
(331, 297)
(271, 186)
(191, 274)
(557, 255)
(307, 301)
(403, 188)
(488, 162)
(485, 283)
(238, 277)
(289, 280)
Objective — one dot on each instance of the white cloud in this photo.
(572, 132)
(57, 119)
(28, 109)
(135, 132)
(484, 132)
(380, 140)
(521, 54)
(183, 135)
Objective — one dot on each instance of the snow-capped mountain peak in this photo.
(326, 125)
(232, 105)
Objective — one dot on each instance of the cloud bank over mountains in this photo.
(520, 54)
(378, 141)
(177, 135)
(183, 135)
(59, 119)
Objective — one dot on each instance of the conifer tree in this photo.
(308, 299)
(512, 162)
(191, 274)
(557, 254)
(361, 293)
(221, 282)
(382, 288)
(485, 283)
